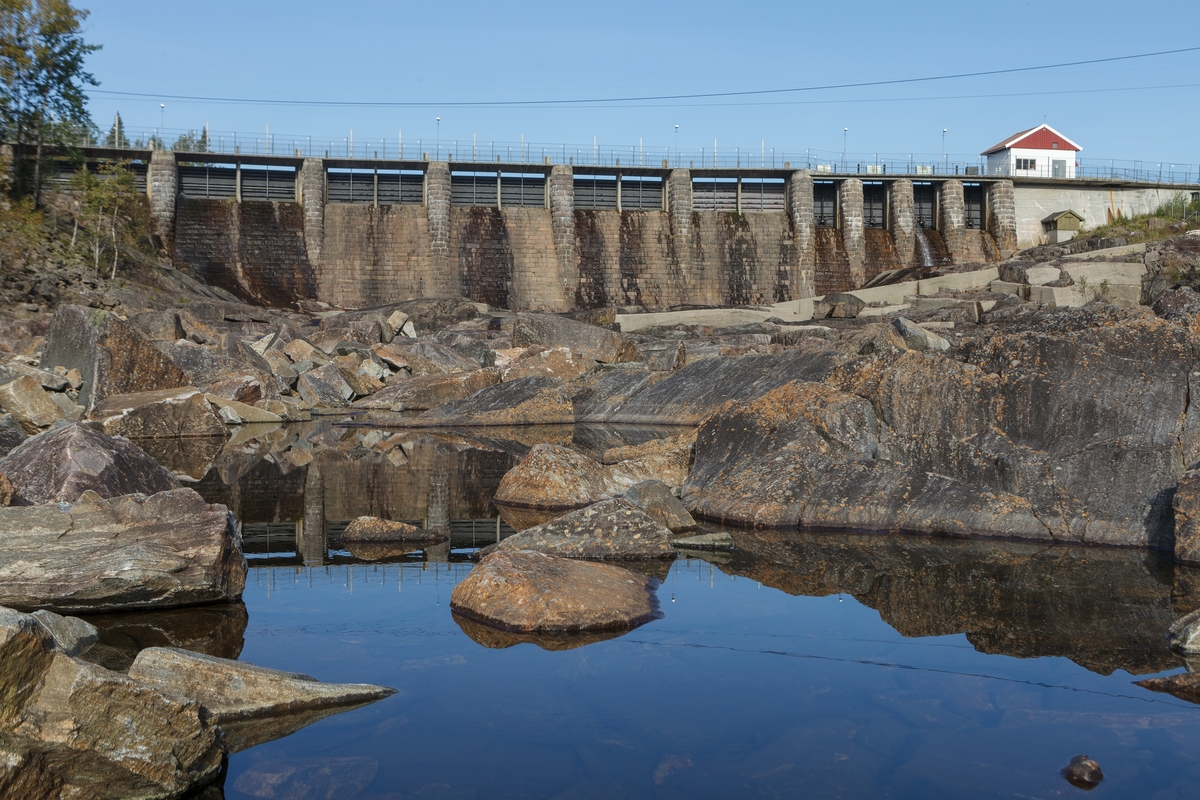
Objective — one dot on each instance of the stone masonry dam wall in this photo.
(526, 244)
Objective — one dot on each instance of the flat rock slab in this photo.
(526, 401)
(429, 391)
(181, 413)
(705, 541)
(71, 635)
(63, 463)
(383, 531)
(699, 389)
(523, 591)
(111, 355)
(611, 529)
(237, 690)
(586, 341)
(168, 549)
(597, 395)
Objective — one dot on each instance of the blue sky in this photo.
(468, 51)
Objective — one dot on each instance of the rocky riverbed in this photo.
(133, 433)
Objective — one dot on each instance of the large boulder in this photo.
(611, 529)
(163, 414)
(526, 401)
(60, 465)
(551, 476)
(168, 549)
(524, 591)
(426, 392)
(73, 729)
(586, 341)
(111, 355)
(376, 530)
(324, 387)
(232, 690)
(227, 362)
(656, 499)
(1074, 427)
(29, 404)
(1169, 262)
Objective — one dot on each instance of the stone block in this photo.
(29, 404)
(1039, 276)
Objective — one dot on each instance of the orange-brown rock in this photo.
(163, 414)
(588, 342)
(524, 591)
(426, 392)
(376, 530)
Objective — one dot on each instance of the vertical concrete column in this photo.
(443, 282)
(679, 207)
(902, 221)
(561, 189)
(312, 545)
(1002, 217)
(952, 219)
(312, 197)
(850, 209)
(437, 507)
(804, 230)
(162, 185)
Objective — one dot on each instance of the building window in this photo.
(1054, 145)
(1026, 163)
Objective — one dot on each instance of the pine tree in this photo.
(116, 134)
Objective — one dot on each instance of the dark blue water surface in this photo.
(798, 665)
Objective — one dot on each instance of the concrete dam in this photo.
(365, 232)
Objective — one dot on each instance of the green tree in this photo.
(116, 134)
(42, 75)
(110, 211)
(192, 142)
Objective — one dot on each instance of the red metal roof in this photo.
(1043, 137)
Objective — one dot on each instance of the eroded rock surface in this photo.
(524, 591)
(182, 413)
(168, 549)
(382, 531)
(525, 401)
(610, 529)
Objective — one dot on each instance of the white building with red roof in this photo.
(1040, 152)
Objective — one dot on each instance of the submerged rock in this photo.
(168, 549)
(523, 591)
(381, 531)
(1083, 772)
(307, 779)
(655, 498)
(236, 690)
(63, 463)
(705, 541)
(111, 355)
(181, 413)
(611, 529)
(526, 401)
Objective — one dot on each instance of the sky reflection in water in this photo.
(740, 690)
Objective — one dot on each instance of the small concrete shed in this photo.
(1062, 226)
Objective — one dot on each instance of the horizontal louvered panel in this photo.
(595, 193)
(714, 195)
(763, 195)
(473, 190)
(529, 192)
(269, 184)
(641, 194)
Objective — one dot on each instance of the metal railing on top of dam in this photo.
(639, 156)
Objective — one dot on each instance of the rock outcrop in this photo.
(655, 498)
(111, 355)
(585, 341)
(611, 529)
(526, 401)
(168, 549)
(60, 465)
(424, 393)
(523, 591)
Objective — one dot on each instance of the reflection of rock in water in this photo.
(1103, 609)
(217, 630)
(313, 532)
(189, 459)
(523, 518)
(242, 734)
(498, 639)
(307, 778)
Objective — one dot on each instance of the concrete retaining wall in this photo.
(1097, 204)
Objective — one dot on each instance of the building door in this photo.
(1058, 169)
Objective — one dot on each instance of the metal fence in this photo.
(716, 156)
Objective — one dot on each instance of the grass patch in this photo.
(1174, 217)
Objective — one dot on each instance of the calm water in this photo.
(800, 665)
